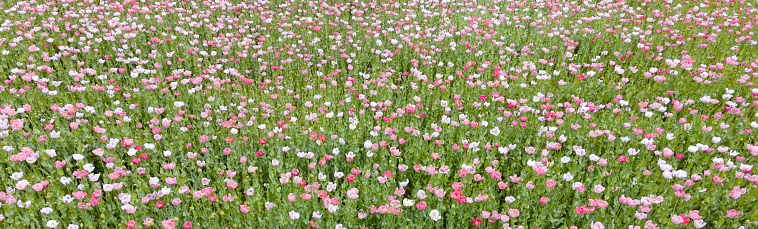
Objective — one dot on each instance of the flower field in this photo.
(378, 114)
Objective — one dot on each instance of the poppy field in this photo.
(378, 114)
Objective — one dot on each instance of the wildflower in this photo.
(435, 215)
(732, 213)
(52, 223)
(294, 215)
(597, 225)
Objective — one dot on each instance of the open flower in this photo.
(294, 215)
(52, 223)
(732, 213)
(435, 215)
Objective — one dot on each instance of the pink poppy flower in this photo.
(732, 213)
(168, 224)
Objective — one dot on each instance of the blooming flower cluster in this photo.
(378, 114)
